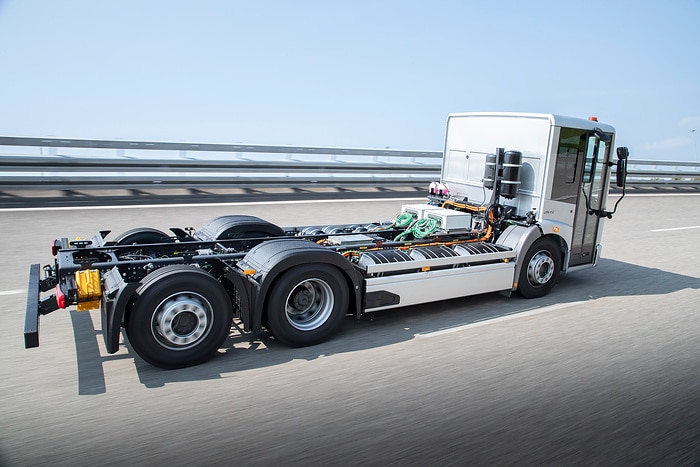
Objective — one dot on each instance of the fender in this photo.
(272, 258)
(520, 238)
(115, 298)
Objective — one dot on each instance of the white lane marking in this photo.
(11, 292)
(194, 205)
(677, 228)
(500, 319)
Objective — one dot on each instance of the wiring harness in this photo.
(419, 229)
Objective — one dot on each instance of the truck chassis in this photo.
(176, 294)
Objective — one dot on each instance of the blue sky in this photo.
(354, 73)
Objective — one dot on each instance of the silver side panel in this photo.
(430, 286)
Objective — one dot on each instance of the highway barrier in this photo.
(68, 164)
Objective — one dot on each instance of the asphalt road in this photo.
(605, 370)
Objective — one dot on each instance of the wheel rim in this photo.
(181, 321)
(541, 269)
(309, 304)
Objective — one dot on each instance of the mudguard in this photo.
(115, 298)
(272, 258)
(519, 238)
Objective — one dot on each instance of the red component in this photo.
(55, 247)
(60, 297)
(593, 119)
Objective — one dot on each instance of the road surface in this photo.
(605, 370)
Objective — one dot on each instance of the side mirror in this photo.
(621, 173)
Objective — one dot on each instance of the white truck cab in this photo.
(564, 171)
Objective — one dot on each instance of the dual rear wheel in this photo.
(181, 315)
(307, 305)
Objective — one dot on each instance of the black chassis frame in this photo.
(248, 292)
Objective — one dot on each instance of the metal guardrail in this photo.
(27, 163)
(64, 164)
(663, 174)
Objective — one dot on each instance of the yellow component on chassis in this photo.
(89, 289)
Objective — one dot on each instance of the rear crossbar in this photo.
(36, 306)
(31, 318)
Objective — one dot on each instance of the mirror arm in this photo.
(601, 135)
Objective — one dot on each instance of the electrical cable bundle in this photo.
(419, 229)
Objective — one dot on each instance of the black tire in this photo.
(307, 305)
(141, 236)
(238, 226)
(540, 268)
(180, 317)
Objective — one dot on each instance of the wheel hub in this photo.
(541, 269)
(309, 304)
(182, 321)
(303, 299)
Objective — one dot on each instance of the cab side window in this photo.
(571, 149)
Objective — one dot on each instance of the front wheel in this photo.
(307, 305)
(180, 317)
(540, 268)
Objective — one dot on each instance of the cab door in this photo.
(580, 179)
(592, 195)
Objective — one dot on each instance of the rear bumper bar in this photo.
(35, 307)
(31, 318)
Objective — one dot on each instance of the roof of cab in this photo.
(556, 120)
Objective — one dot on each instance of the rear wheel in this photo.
(540, 269)
(307, 305)
(180, 317)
